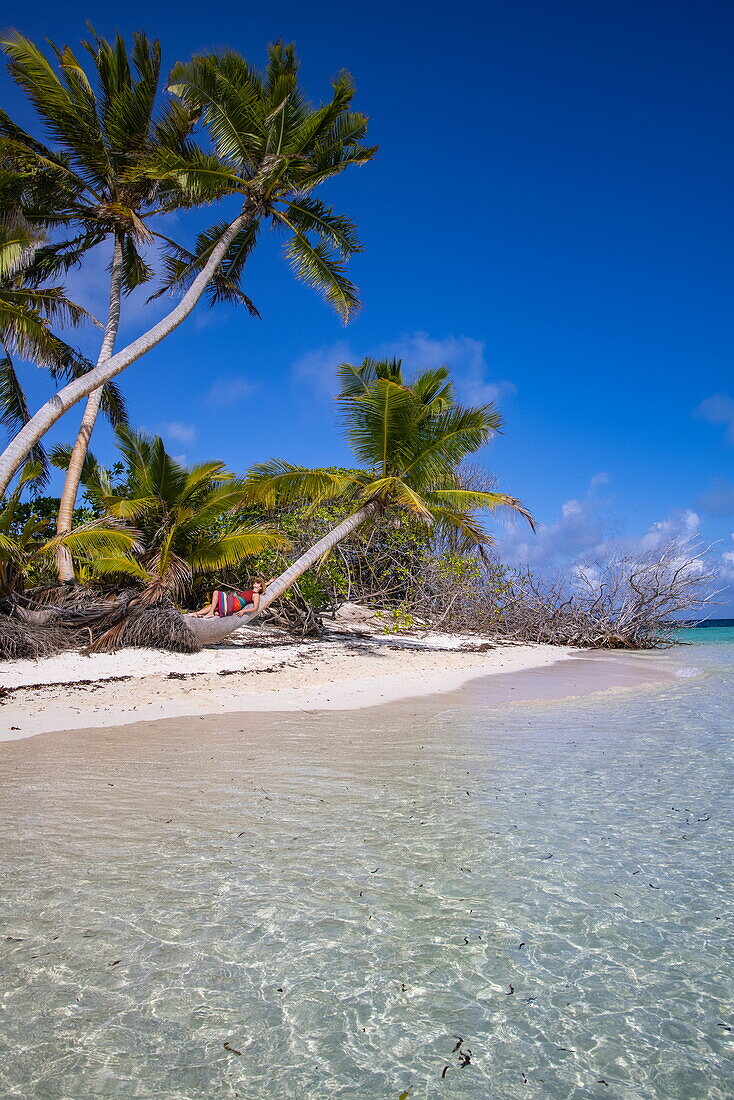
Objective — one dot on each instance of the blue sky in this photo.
(549, 213)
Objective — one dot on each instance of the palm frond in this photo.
(60, 457)
(231, 549)
(309, 215)
(398, 494)
(99, 536)
(455, 522)
(318, 268)
(448, 437)
(113, 405)
(119, 565)
(467, 500)
(278, 482)
(182, 266)
(379, 425)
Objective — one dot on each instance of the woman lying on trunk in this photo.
(234, 603)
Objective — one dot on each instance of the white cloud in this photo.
(579, 532)
(602, 478)
(177, 432)
(681, 524)
(228, 390)
(718, 409)
(464, 355)
(317, 369)
(584, 534)
(586, 576)
(727, 564)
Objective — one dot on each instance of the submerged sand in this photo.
(253, 673)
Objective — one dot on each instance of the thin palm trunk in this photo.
(17, 450)
(211, 631)
(65, 518)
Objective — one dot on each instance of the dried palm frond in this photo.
(22, 641)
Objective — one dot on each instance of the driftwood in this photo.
(631, 601)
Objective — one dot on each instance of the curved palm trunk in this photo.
(65, 518)
(17, 451)
(211, 631)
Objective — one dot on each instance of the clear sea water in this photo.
(444, 899)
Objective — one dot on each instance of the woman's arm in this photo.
(250, 607)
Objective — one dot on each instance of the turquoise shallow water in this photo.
(342, 898)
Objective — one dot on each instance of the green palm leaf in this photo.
(231, 549)
(318, 268)
(283, 483)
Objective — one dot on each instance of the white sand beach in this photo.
(261, 672)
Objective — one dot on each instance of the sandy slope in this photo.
(251, 672)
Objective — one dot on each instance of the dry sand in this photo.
(257, 672)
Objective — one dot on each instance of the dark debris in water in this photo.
(463, 1055)
(231, 1049)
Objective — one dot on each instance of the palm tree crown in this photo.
(183, 516)
(271, 148)
(410, 439)
(25, 548)
(102, 134)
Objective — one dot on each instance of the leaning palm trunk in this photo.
(65, 518)
(211, 631)
(17, 451)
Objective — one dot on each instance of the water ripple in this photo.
(466, 902)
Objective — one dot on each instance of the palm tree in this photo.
(102, 135)
(183, 517)
(409, 440)
(31, 306)
(270, 150)
(25, 549)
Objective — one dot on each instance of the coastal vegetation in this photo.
(402, 532)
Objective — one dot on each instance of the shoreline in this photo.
(260, 675)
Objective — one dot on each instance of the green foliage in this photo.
(104, 127)
(271, 148)
(410, 439)
(184, 516)
(398, 620)
(27, 550)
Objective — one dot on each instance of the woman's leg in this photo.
(208, 611)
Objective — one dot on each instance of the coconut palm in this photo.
(183, 516)
(101, 134)
(31, 306)
(270, 151)
(409, 439)
(24, 548)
